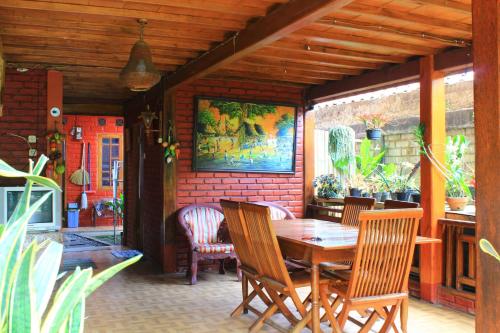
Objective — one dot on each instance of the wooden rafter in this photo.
(287, 18)
(448, 4)
(389, 76)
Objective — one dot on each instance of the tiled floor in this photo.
(140, 300)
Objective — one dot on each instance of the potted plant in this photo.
(357, 185)
(374, 123)
(383, 187)
(453, 168)
(401, 182)
(328, 187)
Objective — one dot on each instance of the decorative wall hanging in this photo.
(171, 146)
(148, 117)
(140, 74)
(244, 136)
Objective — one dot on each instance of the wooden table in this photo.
(318, 241)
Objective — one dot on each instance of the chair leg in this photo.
(344, 314)
(194, 268)
(329, 313)
(257, 325)
(244, 290)
(404, 315)
(222, 270)
(390, 318)
(238, 271)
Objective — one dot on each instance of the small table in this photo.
(318, 241)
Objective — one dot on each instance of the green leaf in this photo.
(107, 274)
(488, 248)
(22, 313)
(11, 245)
(75, 321)
(45, 274)
(68, 296)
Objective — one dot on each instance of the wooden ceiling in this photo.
(89, 40)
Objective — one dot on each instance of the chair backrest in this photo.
(397, 204)
(201, 222)
(352, 207)
(270, 260)
(326, 213)
(386, 242)
(277, 212)
(238, 230)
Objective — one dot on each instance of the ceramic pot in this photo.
(374, 134)
(403, 196)
(355, 192)
(457, 203)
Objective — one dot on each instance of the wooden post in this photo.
(486, 53)
(309, 124)
(2, 75)
(432, 115)
(169, 189)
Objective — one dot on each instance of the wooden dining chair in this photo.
(379, 277)
(238, 231)
(350, 216)
(278, 282)
(398, 204)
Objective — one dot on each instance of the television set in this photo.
(46, 218)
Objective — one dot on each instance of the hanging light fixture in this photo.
(140, 74)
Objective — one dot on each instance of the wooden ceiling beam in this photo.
(187, 17)
(380, 12)
(456, 6)
(115, 110)
(341, 53)
(449, 60)
(381, 29)
(273, 63)
(334, 36)
(274, 77)
(284, 71)
(305, 56)
(267, 81)
(287, 18)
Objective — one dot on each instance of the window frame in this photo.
(110, 136)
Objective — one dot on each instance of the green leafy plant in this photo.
(384, 173)
(117, 205)
(454, 168)
(374, 120)
(28, 276)
(402, 179)
(341, 150)
(328, 186)
(367, 161)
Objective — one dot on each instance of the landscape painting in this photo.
(242, 136)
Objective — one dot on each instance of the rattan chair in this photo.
(201, 224)
(277, 212)
(379, 277)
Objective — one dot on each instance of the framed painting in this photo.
(244, 136)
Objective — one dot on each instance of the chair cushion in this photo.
(215, 248)
(276, 213)
(204, 223)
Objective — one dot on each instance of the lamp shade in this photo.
(140, 74)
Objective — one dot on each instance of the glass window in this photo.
(111, 148)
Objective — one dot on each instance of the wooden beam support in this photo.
(2, 75)
(94, 109)
(284, 20)
(432, 115)
(448, 61)
(169, 189)
(309, 124)
(486, 44)
(54, 99)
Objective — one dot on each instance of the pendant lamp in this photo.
(140, 74)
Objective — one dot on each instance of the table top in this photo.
(324, 234)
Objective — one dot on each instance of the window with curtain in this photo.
(110, 150)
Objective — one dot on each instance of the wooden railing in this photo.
(327, 213)
(459, 256)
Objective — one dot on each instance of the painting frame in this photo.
(196, 163)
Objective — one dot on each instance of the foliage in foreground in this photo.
(28, 276)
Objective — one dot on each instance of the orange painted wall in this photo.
(91, 129)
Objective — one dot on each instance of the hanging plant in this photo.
(171, 146)
(341, 150)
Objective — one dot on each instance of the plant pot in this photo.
(457, 203)
(403, 196)
(355, 192)
(385, 196)
(415, 197)
(378, 196)
(374, 134)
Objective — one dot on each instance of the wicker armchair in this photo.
(202, 225)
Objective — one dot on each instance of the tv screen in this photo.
(43, 215)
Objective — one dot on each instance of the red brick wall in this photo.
(91, 129)
(200, 187)
(24, 113)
